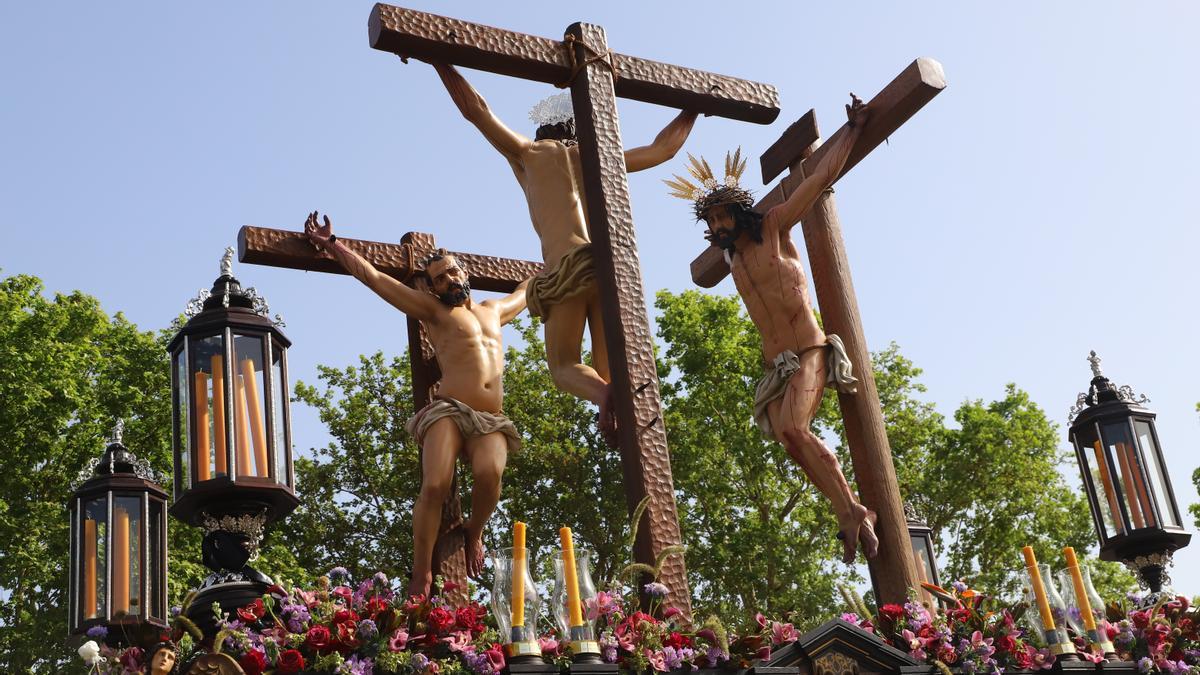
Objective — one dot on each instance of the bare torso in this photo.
(770, 278)
(550, 174)
(467, 342)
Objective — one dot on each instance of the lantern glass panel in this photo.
(1120, 445)
(94, 560)
(182, 440)
(127, 555)
(157, 576)
(249, 418)
(922, 558)
(209, 393)
(1155, 471)
(278, 406)
(1095, 467)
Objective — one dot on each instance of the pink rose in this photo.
(782, 633)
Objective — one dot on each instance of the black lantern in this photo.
(921, 537)
(232, 438)
(1128, 488)
(118, 563)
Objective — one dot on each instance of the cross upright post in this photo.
(281, 248)
(596, 77)
(892, 570)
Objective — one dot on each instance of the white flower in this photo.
(90, 652)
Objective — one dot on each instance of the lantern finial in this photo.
(227, 262)
(118, 433)
(1095, 361)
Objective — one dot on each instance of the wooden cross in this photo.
(596, 77)
(281, 248)
(892, 571)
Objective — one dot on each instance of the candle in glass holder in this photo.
(570, 577)
(1039, 589)
(518, 575)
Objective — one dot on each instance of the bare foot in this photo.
(608, 419)
(419, 585)
(860, 526)
(473, 552)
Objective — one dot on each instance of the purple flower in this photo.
(358, 666)
(656, 590)
(478, 662)
(367, 630)
(714, 656)
(672, 658)
(339, 574)
(609, 654)
(295, 617)
(176, 611)
(1145, 665)
(381, 581)
(419, 662)
(959, 586)
(98, 632)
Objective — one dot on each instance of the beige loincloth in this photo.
(574, 275)
(471, 423)
(839, 376)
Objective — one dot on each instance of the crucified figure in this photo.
(465, 417)
(800, 359)
(549, 172)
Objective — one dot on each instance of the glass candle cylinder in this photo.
(512, 574)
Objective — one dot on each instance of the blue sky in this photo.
(1040, 207)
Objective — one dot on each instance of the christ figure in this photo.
(799, 358)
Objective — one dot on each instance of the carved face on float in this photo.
(163, 661)
(722, 228)
(448, 281)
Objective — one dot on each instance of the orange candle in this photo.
(1109, 493)
(1129, 488)
(1039, 590)
(89, 569)
(120, 558)
(203, 451)
(570, 577)
(254, 407)
(518, 574)
(218, 406)
(241, 433)
(1081, 597)
(1139, 484)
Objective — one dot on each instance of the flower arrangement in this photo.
(1163, 638)
(340, 627)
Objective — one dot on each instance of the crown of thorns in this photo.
(709, 192)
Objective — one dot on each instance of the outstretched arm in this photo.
(418, 305)
(787, 214)
(476, 110)
(512, 304)
(665, 145)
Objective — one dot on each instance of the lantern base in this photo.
(222, 496)
(597, 667)
(518, 650)
(229, 595)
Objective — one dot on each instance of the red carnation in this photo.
(440, 620)
(1005, 644)
(318, 638)
(347, 637)
(291, 661)
(376, 605)
(345, 616)
(677, 640)
(253, 662)
(892, 612)
(252, 612)
(467, 619)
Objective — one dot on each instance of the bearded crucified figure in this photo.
(548, 170)
(800, 358)
(465, 418)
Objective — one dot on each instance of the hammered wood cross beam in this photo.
(596, 77)
(892, 570)
(280, 248)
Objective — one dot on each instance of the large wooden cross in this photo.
(596, 77)
(892, 571)
(281, 248)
